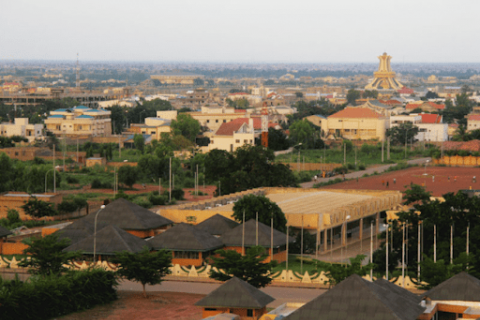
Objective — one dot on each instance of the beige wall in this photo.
(214, 120)
(358, 128)
(22, 128)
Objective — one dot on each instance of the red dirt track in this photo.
(440, 186)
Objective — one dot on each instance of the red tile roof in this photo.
(240, 111)
(431, 118)
(414, 105)
(405, 90)
(390, 102)
(227, 129)
(257, 122)
(474, 117)
(352, 112)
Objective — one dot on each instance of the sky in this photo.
(252, 31)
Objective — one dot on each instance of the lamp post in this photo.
(46, 179)
(298, 160)
(95, 234)
(406, 135)
(386, 251)
(346, 235)
(426, 162)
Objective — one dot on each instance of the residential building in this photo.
(386, 109)
(15, 200)
(232, 135)
(79, 122)
(357, 123)
(397, 120)
(318, 120)
(212, 117)
(171, 78)
(167, 114)
(96, 161)
(432, 128)
(190, 246)
(152, 126)
(22, 128)
(473, 122)
(235, 297)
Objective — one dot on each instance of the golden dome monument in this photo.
(384, 77)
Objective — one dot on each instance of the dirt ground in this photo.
(133, 306)
(436, 180)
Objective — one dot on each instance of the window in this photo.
(251, 141)
(249, 312)
(224, 121)
(210, 309)
(186, 255)
(245, 141)
(216, 121)
(208, 121)
(237, 141)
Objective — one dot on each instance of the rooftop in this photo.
(356, 112)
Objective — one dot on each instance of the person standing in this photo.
(387, 183)
(394, 181)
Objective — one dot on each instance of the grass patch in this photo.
(294, 264)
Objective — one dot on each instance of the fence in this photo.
(312, 166)
(459, 161)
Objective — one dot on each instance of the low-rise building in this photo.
(232, 135)
(152, 126)
(425, 106)
(22, 128)
(94, 161)
(79, 122)
(213, 117)
(432, 128)
(357, 123)
(236, 297)
(15, 200)
(473, 122)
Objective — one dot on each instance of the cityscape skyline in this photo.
(217, 32)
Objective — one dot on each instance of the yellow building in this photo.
(22, 128)
(79, 121)
(357, 123)
(384, 77)
(177, 78)
(153, 127)
(214, 117)
(233, 135)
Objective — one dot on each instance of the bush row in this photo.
(53, 296)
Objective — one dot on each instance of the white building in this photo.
(430, 126)
(22, 128)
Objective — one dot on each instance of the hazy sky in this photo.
(247, 31)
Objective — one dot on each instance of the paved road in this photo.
(359, 174)
(281, 294)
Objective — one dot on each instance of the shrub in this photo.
(350, 166)
(13, 216)
(157, 200)
(51, 296)
(177, 193)
(361, 167)
(71, 179)
(142, 202)
(122, 195)
(97, 184)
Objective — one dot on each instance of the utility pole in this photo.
(383, 147)
(77, 151)
(344, 154)
(54, 173)
(170, 181)
(388, 148)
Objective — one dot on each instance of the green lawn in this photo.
(367, 157)
(294, 265)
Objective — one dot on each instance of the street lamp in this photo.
(95, 234)
(426, 162)
(46, 179)
(386, 251)
(346, 235)
(298, 160)
(406, 135)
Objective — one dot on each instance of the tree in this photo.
(47, 256)
(277, 140)
(336, 273)
(301, 131)
(431, 95)
(352, 96)
(251, 204)
(145, 267)
(198, 82)
(403, 132)
(186, 126)
(416, 194)
(13, 216)
(139, 142)
(37, 208)
(309, 242)
(127, 175)
(249, 268)
(299, 94)
(370, 94)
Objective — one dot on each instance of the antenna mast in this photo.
(77, 79)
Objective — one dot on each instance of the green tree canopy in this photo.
(46, 255)
(249, 268)
(139, 142)
(37, 208)
(186, 126)
(352, 96)
(127, 175)
(251, 204)
(336, 273)
(277, 140)
(401, 132)
(145, 267)
(302, 131)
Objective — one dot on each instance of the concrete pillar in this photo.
(360, 233)
(377, 223)
(325, 240)
(344, 233)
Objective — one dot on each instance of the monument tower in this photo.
(384, 77)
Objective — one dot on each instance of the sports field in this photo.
(436, 180)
